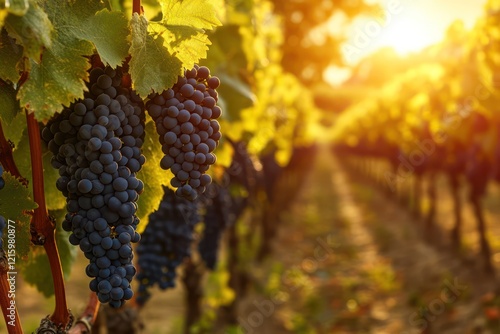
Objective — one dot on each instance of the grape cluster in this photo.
(223, 208)
(185, 117)
(215, 221)
(242, 170)
(96, 145)
(165, 243)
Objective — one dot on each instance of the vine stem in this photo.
(87, 319)
(136, 7)
(43, 228)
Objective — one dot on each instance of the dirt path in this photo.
(378, 275)
(450, 288)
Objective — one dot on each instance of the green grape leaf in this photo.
(36, 272)
(15, 130)
(10, 54)
(153, 176)
(195, 14)
(182, 28)
(188, 45)
(168, 46)
(107, 31)
(152, 67)
(53, 82)
(15, 202)
(79, 27)
(32, 30)
(9, 106)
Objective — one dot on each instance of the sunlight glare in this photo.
(409, 35)
(416, 25)
(336, 76)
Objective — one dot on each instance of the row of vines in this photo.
(438, 119)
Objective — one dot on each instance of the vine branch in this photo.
(87, 319)
(136, 7)
(43, 227)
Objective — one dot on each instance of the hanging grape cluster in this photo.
(96, 145)
(215, 220)
(223, 208)
(185, 117)
(165, 243)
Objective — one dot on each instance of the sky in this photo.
(410, 25)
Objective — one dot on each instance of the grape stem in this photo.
(43, 227)
(7, 160)
(12, 320)
(86, 320)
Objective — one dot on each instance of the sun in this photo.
(414, 26)
(409, 35)
(409, 32)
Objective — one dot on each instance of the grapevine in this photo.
(111, 141)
